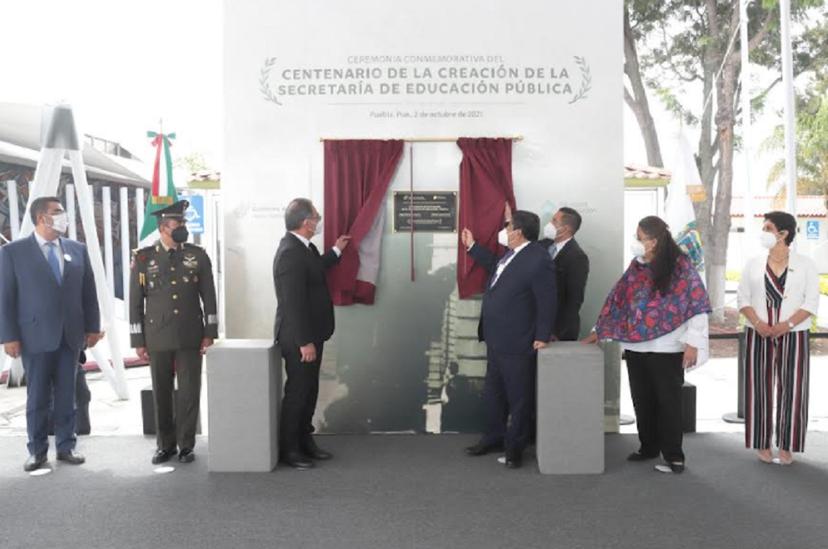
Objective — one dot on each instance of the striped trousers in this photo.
(783, 363)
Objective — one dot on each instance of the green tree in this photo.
(690, 57)
(811, 120)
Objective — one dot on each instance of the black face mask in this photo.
(180, 234)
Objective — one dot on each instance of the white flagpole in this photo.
(790, 124)
(749, 234)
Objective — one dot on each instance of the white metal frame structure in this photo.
(61, 138)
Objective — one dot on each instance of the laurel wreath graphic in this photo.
(264, 81)
(586, 80)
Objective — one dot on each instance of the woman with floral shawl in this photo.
(658, 312)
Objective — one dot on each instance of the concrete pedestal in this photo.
(570, 437)
(244, 385)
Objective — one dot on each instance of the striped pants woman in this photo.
(782, 362)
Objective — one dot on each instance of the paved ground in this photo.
(715, 382)
(415, 492)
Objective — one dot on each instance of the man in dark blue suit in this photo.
(48, 313)
(517, 319)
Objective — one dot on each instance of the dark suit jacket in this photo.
(34, 308)
(520, 308)
(571, 272)
(304, 311)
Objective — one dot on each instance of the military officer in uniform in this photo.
(173, 319)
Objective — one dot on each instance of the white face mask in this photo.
(503, 237)
(550, 231)
(60, 222)
(637, 248)
(767, 240)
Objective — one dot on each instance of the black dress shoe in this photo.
(514, 462)
(674, 467)
(186, 455)
(162, 456)
(71, 457)
(481, 449)
(638, 456)
(514, 459)
(297, 460)
(35, 462)
(311, 450)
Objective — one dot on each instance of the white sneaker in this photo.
(502, 460)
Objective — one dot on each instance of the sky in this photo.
(124, 66)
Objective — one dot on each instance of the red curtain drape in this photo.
(357, 175)
(485, 189)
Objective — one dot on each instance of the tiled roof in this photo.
(806, 205)
(632, 171)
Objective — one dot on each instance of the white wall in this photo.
(571, 153)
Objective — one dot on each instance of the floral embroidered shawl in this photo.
(634, 311)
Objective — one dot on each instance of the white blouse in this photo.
(694, 332)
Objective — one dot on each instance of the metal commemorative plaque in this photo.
(430, 211)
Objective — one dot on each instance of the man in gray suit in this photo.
(48, 313)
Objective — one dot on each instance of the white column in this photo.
(14, 210)
(747, 150)
(107, 228)
(139, 214)
(788, 87)
(70, 209)
(244, 432)
(125, 254)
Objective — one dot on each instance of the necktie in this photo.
(553, 250)
(501, 265)
(54, 262)
(313, 249)
(509, 253)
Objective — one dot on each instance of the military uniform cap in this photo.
(174, 211)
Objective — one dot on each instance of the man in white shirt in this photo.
(48, 313)
(516, 320)
(571, 270)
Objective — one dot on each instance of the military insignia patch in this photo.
(190, 261)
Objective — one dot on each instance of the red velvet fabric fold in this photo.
(357, 175)
(485, 189)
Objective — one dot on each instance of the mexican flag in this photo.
(163, 192)
(678, 211)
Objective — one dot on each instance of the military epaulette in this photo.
(191, 245)
(140, 254)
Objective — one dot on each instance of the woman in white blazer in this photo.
(778, 294)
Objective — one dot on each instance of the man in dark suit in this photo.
(516, 320)
(304, 321)
(48, 313)
(571, 270)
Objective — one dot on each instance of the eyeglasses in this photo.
(507, 224)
